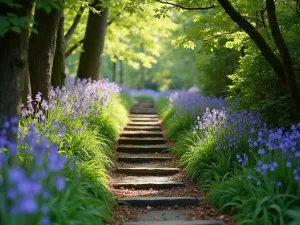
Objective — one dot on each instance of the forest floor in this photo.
(149, 185)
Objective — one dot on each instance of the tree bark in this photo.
(13, 62)
(114, 70)
(26, 83)
(42, 50)
(93, 44)
(58, 71)
(284, 53)
(121, 72)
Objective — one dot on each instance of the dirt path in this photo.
(150, 188)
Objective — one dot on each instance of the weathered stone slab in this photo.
(145, 128)
(142, 140)
(142, 134)
(141, 159)
(143, 123)
(143, 116)
(148, 171)
(144, 119)
(142, 148)
(158, 201)
(148, 185)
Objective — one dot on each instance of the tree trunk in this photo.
(142, 70)
(13, 62)
(42, 49)
(93, 44)
(114, 70)
(58, 71)
(284, 53)
(121, 72)
(26, 83)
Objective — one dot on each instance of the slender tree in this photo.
(42, 50)
(121, 72)
(114, 70)
(58, 71)
(93, 43)
(13, 60)
(142, 70)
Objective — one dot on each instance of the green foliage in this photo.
(11, 21)
(295, 214)
(125, 35)
(14, 23)
(253, 204)
(258, 90)
(214, 67)
(221, 42)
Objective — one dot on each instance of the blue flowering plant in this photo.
(31, 173)
(56, 171)
(247, 167)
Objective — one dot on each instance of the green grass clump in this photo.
(175, 124)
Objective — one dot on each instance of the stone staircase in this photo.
(143, 144)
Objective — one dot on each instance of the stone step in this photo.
(176, 222)
(142, 140)
(148, 185)
(143, 107)
(158, 201)
(145, 104)
(146, 171)
(143, 116)
(142, 134)
(144, 119)
(142, 148)
(143, 123)
(141, 159)
(150, 112)
(145, 128)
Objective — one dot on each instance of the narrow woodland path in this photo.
(150, 188)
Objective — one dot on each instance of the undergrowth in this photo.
(59, 173)
(248, 169)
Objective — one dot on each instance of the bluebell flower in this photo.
(59, 183)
